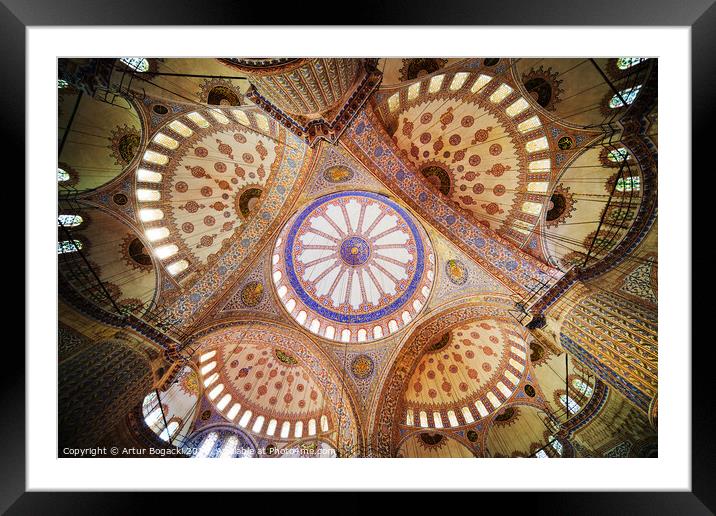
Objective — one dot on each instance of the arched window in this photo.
(150, 402)
(138, 64)
(228, 450)
(571, 405)
(629, 184)
(582, 387)
(556, 445)
(170, 430)
(154, 419)
(627, 62)
(207, 445)
(62, 175)
(618, 155)
(69, 221)
(628, 94)
(68, 246)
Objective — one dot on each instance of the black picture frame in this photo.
(700, 15)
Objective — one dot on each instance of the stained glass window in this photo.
(628, 94)
(150, 402)
(627, 62)
(541, 455)
(582, 387)
(571, 405)
(556, 445)
(207, 445)
(70, 221)
(68, 246)
(629, 184)
(138, 64)
(618, 155)
(61, 83)
(62, 176)
(229, 448)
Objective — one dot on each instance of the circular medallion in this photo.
(565, 143)
(120, 199)
(284, 357)
(530, 391)
(456, 271)
(362, 367)
(252, 293)
(353, 266)
(160, 109)
(338, 174)
(355, 251)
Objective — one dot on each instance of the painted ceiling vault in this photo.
(351, 250)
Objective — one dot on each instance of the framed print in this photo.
(399, 248)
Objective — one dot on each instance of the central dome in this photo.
(353, 266)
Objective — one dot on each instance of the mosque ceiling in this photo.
(464, 143)
(363, 291)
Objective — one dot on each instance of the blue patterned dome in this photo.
(353, 266)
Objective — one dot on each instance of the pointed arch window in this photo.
(138, 64)
(628, 94)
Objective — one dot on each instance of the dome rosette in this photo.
(353, 267)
